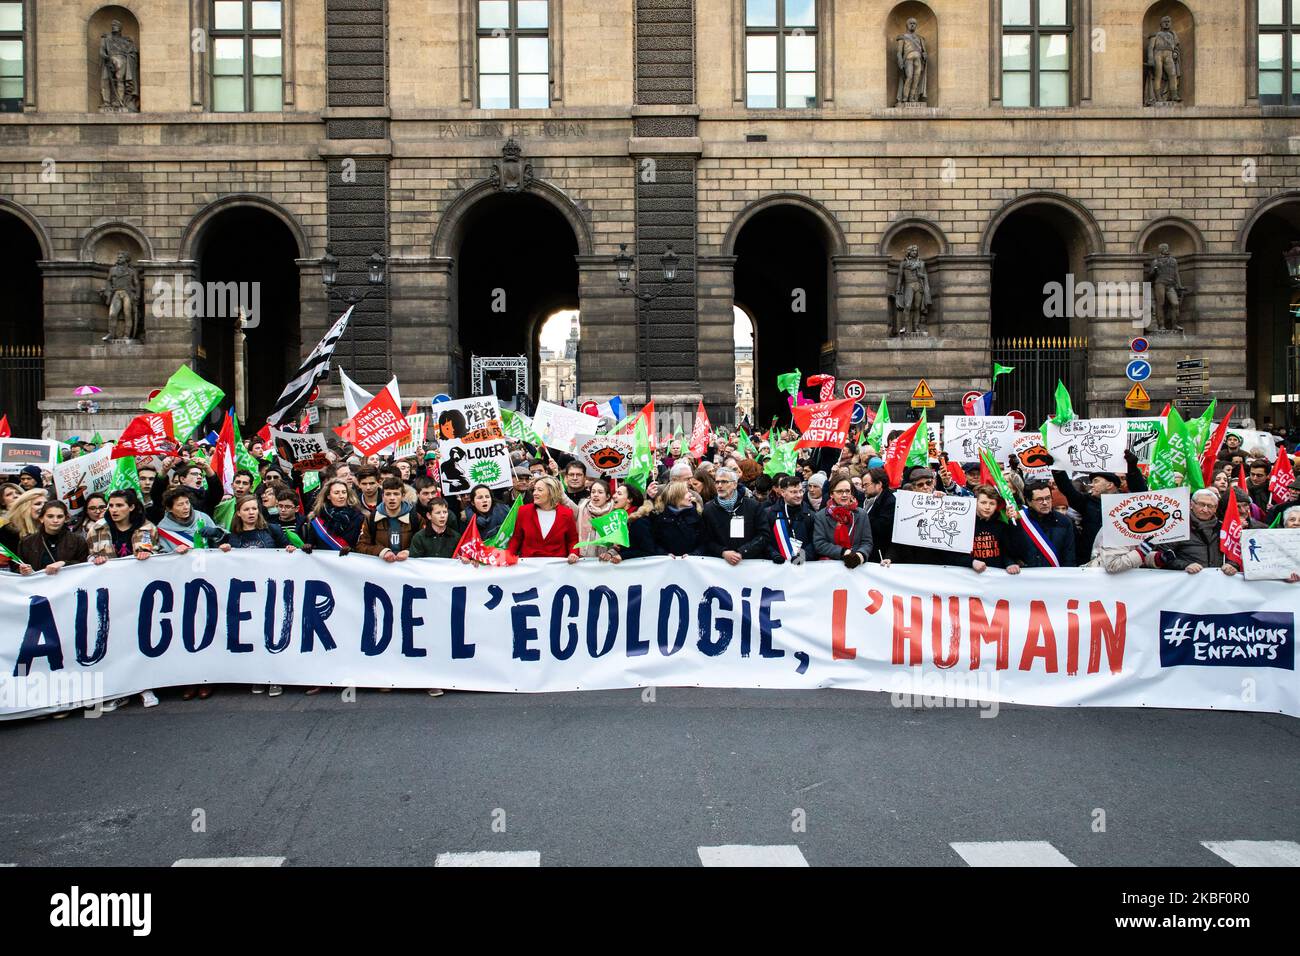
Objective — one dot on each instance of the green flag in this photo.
(1064, 407)
(199, 543)
(783, 461)
(1001, 370)
(744, 445)
(10, 555)
(97, 440)
(243, 457)
(310, 481)
(189, 398)
(507, 529)
(1171, 457)
(125, 476)
(1000, 481)
(224, 513)
(610, 529)
(518, 427)
(643, 463)
(1198, 430)
(294, 540)
(789, 382)
(876, 434)
(919, 453)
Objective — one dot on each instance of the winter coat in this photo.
(1089, 506)
(428, 543)
(824, 546)
(717, 528)
(1060, 534)
(69, 547)
(272, 536)
(376, 532)
(881, 513)
(1115, 560)
(640, 534)
(1202, 547)
(490, 523)
(799, 523)
(678, 532)
(529, 542)
(586, 532)
(99, 538)
(344, 524)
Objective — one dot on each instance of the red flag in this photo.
(896, 455)
(472, 548)
(700, 433)
(4, 426)
(1212, 450)
(223, 454)
(1230, 532)
(1279, 483)
(986, 476)
(376, 425)
(1241, 479)
(264, 433)
(958, 473)
(824, 424)
(413, 410)
(152, 434)
(827, 383)
(1168, 406)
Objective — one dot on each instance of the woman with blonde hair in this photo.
(677, 525)
(335, 522)
(9, 493)
(20, 520)
(546, 528)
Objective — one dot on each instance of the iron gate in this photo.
(22, 386)
(1039, 364)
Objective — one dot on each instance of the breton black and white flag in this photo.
(314, 368)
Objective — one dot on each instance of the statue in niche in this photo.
(1167, 290)
(122, 293)
(119, 72)
(912, 298)
(1163, 65)
(913, 65)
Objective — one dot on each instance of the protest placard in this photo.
(78, 477)
(558, 425)
(307, 452)
(604, 454)
(1089, 444)
(945, 523)
(1270, 555)
(964, 436)
(1153, 517)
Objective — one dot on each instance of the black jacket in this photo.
(1060, 534)
(997, 544)
(717, 526)
(640, 534)
(800, 524)
(678, 532)
(427, 543)
(1089, 506)
(881, 513)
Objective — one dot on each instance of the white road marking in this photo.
(1011, 853)
(490, 858)
(232, 861)
(1256, 852)
(737, 854)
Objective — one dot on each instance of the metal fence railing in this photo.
(22, 386)
(1040, 362)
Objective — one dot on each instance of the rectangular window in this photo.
(247, 56)
(514, 55)
(780, 54)
(1279, 52)
(1037, 52)
(11, 57)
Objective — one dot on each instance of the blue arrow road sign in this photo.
(1139, 370)
(859, 414)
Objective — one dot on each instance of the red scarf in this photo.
(843, 518)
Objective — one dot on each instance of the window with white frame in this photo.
(12, 70)
(1037, 36)
(247, 49)
(514, 55)
(1279, 52)
(780, 54)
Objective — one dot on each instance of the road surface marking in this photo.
(1256, 852)
(1011, 853)
(741, 855)
(490, 858)
(232, 861)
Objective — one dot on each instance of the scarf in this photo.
(843, 518)
(729, 503)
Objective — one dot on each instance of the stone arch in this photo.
(927, 26)
(1263, 208)
(447, 235)
(194, 231)
(835, 241)
(1095, 239)
(99, 236)
(1185, 26)
(1183, 236)
(97, 24)
(914, 231)
(31, 222)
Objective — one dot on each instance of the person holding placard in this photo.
(1201, 550)
(1089, 505)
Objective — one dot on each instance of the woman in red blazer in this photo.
(559, 535)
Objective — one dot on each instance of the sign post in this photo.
(922, 397)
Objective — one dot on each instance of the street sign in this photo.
(922, 397)
(1193, 390)
(854, 389)
(315, 394)
(1139, 370)
(1139, 345)
(440, 397)
(1138, 398)
(1195, 375)
(590, 408)
(1018, 418)
(1192, 363)
(970, 397)
(859, 414)
(313, 415)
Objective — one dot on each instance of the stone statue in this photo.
(119, 72)
(1163, 65)
(122, 293)
(913, 65)
(912, 299)
(1167, 290)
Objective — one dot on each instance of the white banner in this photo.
(1089, 444)
(558, 425)
(1255, 441)
(1156, 517)
(946, 523)
(1270, 555)
(605, 454)
(78, 477)
(1048, 637)
(965, 435)
(17, 453)
(419, 424)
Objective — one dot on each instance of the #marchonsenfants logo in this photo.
(1247, 639)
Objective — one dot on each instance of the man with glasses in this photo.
(1053, 545)
(733, 522)
(1201, 550)
(788, 523)
(922, 480)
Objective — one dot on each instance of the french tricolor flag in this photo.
(980, 404)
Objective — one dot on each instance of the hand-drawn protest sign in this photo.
(303, 452)
(78, 477)
(1143, 433)
(469, 420)
(1031, 453)
(1089, 444)
(605, 454)
(1270, 555)
(945, 523)
(558, 425)
(1155, 517)
(411, 446)
(466, 464)
(965, 435)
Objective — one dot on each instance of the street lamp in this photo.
(1292, 257)
(624, 264)
(329, 272)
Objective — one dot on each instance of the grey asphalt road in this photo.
(606, 778)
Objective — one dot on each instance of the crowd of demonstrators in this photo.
(833, 504)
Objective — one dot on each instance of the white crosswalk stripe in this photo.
(490, 858)
(737, 854)
(1011, 853)
(231, 861)
(1256, 852)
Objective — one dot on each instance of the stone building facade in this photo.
(764, 141)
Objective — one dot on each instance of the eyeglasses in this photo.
(842, 491)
